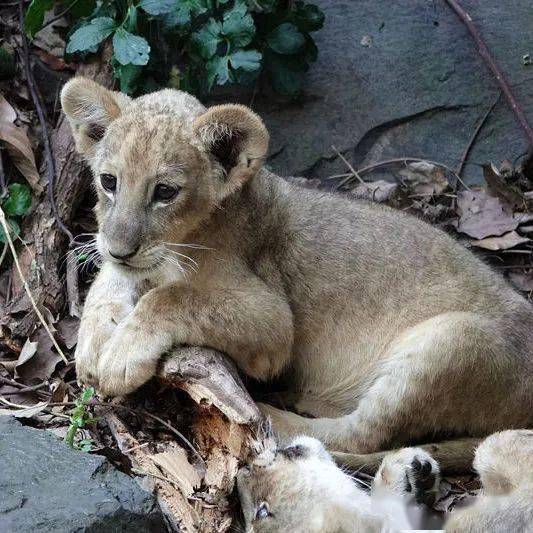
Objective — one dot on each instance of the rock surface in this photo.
(404, 78)
(47, 487)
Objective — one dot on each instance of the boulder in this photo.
(45, 486)
(404, 78)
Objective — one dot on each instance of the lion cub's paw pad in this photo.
(411, 472)
(422, 479)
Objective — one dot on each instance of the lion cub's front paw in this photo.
(97, 326)
(128, 361)
(410, 472)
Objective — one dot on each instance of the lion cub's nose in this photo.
(123, 257)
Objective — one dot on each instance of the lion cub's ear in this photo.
(236, 137)
(89, 108)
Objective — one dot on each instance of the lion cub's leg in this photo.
(504, 462)
(248, 322)
(110, 299)
(446, 373)
(410, 472)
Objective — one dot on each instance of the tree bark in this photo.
(46, 244)
(196, 496)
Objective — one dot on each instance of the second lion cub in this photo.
(385, 328)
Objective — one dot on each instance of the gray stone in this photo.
(416, 86)
(45, 486)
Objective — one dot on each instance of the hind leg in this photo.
(448, 373)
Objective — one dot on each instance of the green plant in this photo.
(15, 204)
(194, 44)
(80, 418)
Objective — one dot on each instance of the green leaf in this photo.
(130, 49)
(238, 26)
(131, 19)
(157, 7)
(217, 69)
(286, 72)
(87, 394)
(184, 10)
(308, 17)
(18, 201)
(14, 230)
(248, 60)
(285, 39)
(128, 75)
(91, 34)
(208, 38)
(34, 18)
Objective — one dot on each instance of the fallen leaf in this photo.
(424, 178)
(497, 186)
(482, 215)
(24, 413)
(18, 145)
(28, 351)
(54, 62)
(377, 191)
(509, 240)
(522, 280)
(68, 331)
(43, 363)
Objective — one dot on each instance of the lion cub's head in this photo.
(298, 488)
(161, 164)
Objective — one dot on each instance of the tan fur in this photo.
(373, 318)
(504, 462)
(304, 491)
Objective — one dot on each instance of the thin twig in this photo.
(49, 157)
(27, 287)
(3, 183)
(493, 66)
(31, 388)
(3, 254)
(347, 163)
(140, 412)
(472, 140)
(57, 17)
(387, 162)
(12, 383)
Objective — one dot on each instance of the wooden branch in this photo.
(210, 378)
(194, 494)
(493, 66)
(46, 243)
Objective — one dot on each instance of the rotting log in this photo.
(46, 244)
(195, 495)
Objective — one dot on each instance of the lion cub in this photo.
(384, 328)
(299, 488)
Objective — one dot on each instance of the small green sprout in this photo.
(80, 418)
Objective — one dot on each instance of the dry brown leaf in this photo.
(176, 466)
(43, 363)
(509, 240)
(68, 331)
(377, 191)
(24, 413)
(54, 62)
(18, 145)
(522, 280)
(424, 178)
(482, 215)
(500, 188)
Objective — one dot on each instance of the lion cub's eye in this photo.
(164, 193)
(109, 182)
(262, 511)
